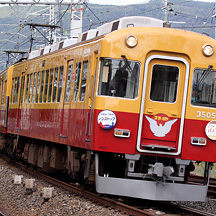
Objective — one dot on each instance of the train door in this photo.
(90, 110)
(20, 100)
(163, 105)
(65, 109)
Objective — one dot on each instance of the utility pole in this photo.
(76, 20)
(167, 9)
(166, 13)
(215, 17)
(76, 12)
(52, 35)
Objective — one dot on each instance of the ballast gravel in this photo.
(15, 201)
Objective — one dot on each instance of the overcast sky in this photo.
(126, 2)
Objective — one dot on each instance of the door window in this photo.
(164, 83)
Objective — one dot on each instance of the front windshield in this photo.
(204, 88)
(119, 78)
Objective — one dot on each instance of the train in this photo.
(128, 107)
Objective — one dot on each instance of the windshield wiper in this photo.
(204, 75)
(127, 63)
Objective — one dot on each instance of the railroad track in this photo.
(212, 191)
(132, 207)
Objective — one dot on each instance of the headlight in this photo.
(208, 49)
(131, 41)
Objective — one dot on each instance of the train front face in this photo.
(155, 113)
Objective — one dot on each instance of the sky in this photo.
(127, 2)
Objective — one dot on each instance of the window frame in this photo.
(81, 79)
(30, 87)
(59, 92)
(199, 105)
(77, 78)
(51, 82)
(37, 93)
(27, 89)
(46, 85)
(138, 78)
(43, 74)
(70, 63)
(34, 86)
(56, 69)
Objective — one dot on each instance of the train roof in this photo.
(124, 22)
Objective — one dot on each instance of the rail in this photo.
(127, 208)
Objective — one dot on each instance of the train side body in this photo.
(60, 121)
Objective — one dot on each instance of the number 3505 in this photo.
(206, 115)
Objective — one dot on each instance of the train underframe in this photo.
(139, 176)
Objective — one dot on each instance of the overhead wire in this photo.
(46, 31)
(143, 12)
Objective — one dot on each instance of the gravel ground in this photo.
(15, 202)
(208, 206)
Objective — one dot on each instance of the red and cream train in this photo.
(130, 106)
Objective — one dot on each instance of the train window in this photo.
(119, 78)
(68, 87)
(30, 88)
(83, 80)
(4, 88)
(17, 89)
(55, 85)
(38, 87)
(0, 91)
(50, 84)
(34, 87)
(60, 83)
(22, 88)
(3, 92)
(27, 88)
(12, 90)
(46, 85)
(164, 83)
(77, 80)
(42, 86)
(204, 88)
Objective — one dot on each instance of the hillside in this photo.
(190, 15)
